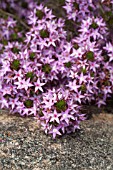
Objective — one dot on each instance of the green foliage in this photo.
(90, 55)
(28, 103)
(30, 75)
(46, 68)
(44, 34)
(15, 50)
(68, 64)
(94, 25)
(15, 65)
(40, 14)
(76, 5)
(61, 105)
(32, 56)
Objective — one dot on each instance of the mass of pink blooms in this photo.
(44, 74)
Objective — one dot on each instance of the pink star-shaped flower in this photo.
(55, 117)
(55, 131)
(23, 84)
(38, 85)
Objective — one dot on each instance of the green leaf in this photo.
(32, 56)
(28, 103)
(61, 105)
(44, 34)
(94, 25)
(15, 50)
(40, 14)
(90, 56)
(30, 75)
(46, 68)
(15, 64)
(68, 64)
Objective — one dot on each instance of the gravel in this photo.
(23, 146)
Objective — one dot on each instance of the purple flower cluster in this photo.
(22, 8)
(51, 78)
(79, 9)
(6, 30)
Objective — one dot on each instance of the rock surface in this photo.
(23, 146)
